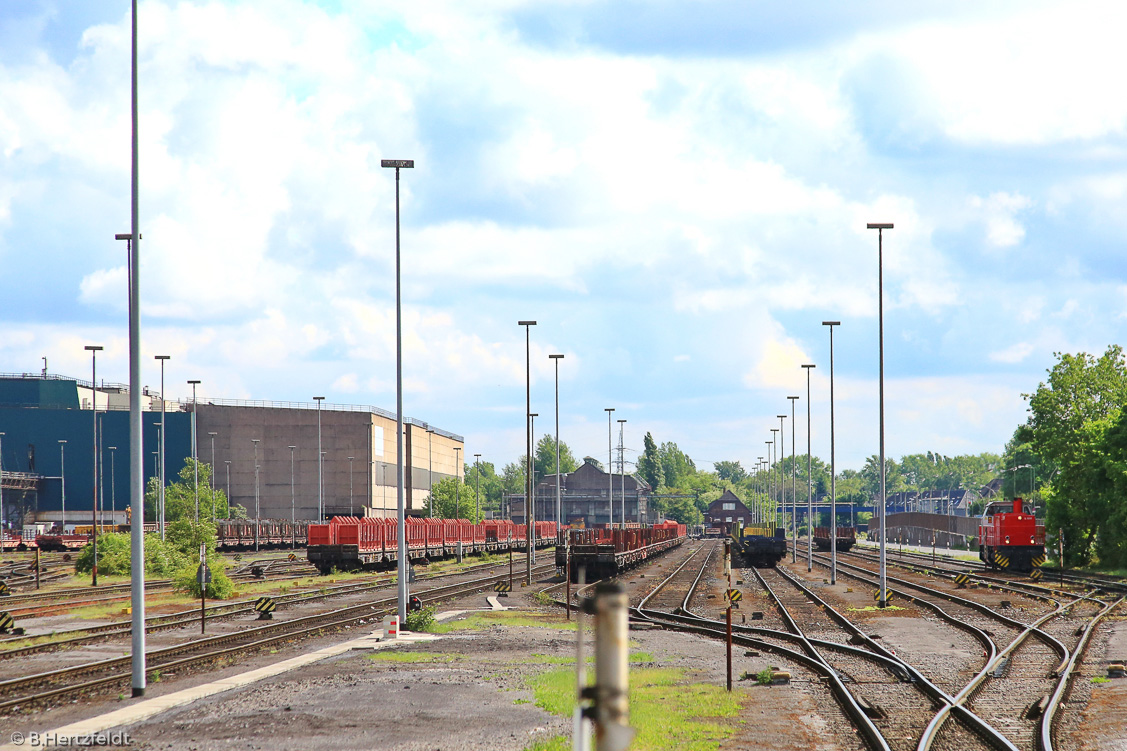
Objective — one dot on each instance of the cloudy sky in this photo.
(676, 191)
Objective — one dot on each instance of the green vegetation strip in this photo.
(666, 712)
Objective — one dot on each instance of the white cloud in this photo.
(1014, 353)
(999, 212)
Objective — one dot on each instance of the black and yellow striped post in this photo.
(4, 591)
(502, 588)
(887, 595)
(265, 606)
(291, 557)
(734, 596)
(1036, 574)
(1001, 560)
(6, 622)
(961, 580)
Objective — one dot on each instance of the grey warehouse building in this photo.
(47, 422)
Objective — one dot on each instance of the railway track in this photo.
(34, 690)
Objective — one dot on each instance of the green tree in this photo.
(180, 498)
(675, 464)
(730, 471)
(649, 464)
(546, 457)
(453, 499)
(870, 473)
(513, 477)
(492, 484)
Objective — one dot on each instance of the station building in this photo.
(47, 452)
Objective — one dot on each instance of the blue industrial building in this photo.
(39, 411)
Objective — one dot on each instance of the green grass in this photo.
(874, 608)
(1101, 679)
(398, 655)
(483, 620)
(539, 659)
(665, 711)
(558, 743)
(32, 641)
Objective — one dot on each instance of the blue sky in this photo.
(676, 191)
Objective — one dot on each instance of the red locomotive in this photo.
(1010, 537)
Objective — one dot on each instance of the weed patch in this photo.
(400, 656)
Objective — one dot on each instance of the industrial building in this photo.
(47, 426)
(585, 498)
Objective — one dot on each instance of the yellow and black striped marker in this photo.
(265, 607)
(292, 557)
(6, 622)
(734, 596)
(887, 595)
(1038, 560)
(1001, 559)
(1036, 574)
(4, 591)
(238, 557)
(502, 588)
(961, 580)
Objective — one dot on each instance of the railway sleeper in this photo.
(1037, 708)
(872, 711)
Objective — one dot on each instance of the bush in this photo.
(420, 620)
(220, 588)
(115, 556)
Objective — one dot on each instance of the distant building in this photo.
(358, 471)
(727, 512)
(584, 498)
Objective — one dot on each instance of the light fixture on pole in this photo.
(782, 476)
(195, 461)
(793, 485)
(528, 515)
(256, 516)
(833, 463)
(160, 498)
(457, 483)
(477, 490)
(401, 506)
(622, 469)
(293, 503)
(610, 466)
(93, 349)
(531, 500)
(212, 474)
(320, 483)
(809, 483)
(559, 512)
(880, 227)
(63, 482)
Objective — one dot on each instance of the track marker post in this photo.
(203, 576)
(580, 723)
(510, 558)
(37, 567)
(612, 668)
(728, 610)
(567, 565)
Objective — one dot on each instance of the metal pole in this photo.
(160, 498)
(350, 513)
(457, 484)
(93, 350)
(833, 464)
(228, 463)
(559, 511)
(610, 468)
(612, 640)
(401, 502)
(256, 521)
(319, 399)
(293, 504)
(793, 485)
(532, 485)
(528, 511)
(782, 477)
(113, 485)
(136, 446)
(212, 483)
(622, 468)
(477, 489)
(809, 484)
(766, 484)
(63, 480)
(430, 469)
(195, 461)
(880, 227)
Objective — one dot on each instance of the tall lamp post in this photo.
(477, 479)
(113, 488)
(457, 484)
(610, 465)
(212, 483)
(350, 484)
(160, 498)
(880, 227)
(531, 500)
(293, 503)
(430, 469)
(255, 442)
(320, 484)
(622, 468)
(773, 472)
(766, 483)
(94, 349)
(559, 512)
(809, 484)
(228, 463)
(401, 507)
(782, 476)
(833, 464)
(195, 460)
(793, 485)
(528, 447)
(63, 480)
(762, 487)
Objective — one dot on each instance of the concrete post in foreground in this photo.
(612, 668)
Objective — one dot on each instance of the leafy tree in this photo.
(492, 485)
(684, 510)
(513, 477)
(730, 471)
(675, 464)
(870, 473)
(649, 464)
(453, 499)
(546, 457)
(180, 498)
